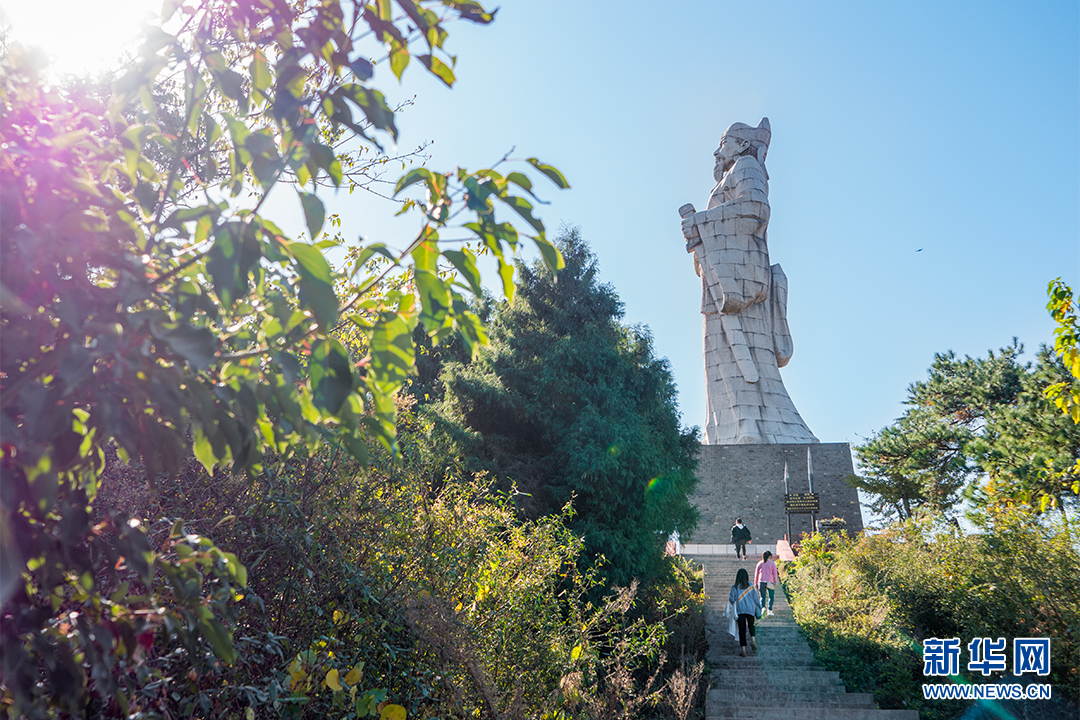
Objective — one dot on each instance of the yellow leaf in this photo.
(392, 712)
(332, 680)
(575, 653)
(355, 674)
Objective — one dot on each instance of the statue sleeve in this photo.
(781, 334)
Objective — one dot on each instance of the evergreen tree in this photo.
(1030, 449)
(928, 455)
(981, 426)
(568, 404)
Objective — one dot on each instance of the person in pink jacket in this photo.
(765, 578)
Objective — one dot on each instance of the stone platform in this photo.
(747, 481)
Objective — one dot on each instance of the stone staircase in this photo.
(780, 681)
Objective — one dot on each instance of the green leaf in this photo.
(204, 451)
(471, 10)
(197, 345)
(552, 257)
(438, 68)
(434, 297)
(147, 196)
(522, 181)
(393, 355)
(219, 639)
(373, 104)
(231, 84)
(362, 68)
(414, 176)
(324, 158)
(260, 72)
(523, 208)
(316, 280)
(331, 375)
(314, 213)
(426, 255)
(236, 252)
(465, 263)
(369, 251)
(551, 172)
(506, 273)
(399, 60)
(311, 262)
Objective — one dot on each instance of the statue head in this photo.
(741, 139)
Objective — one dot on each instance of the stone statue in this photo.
(744, 300)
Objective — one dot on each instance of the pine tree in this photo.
(568, 404)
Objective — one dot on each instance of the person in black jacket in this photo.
(740, 535)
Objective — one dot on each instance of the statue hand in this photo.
(690, 231)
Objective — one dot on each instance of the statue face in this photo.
(729, 151)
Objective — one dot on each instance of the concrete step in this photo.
(801, 699)
(809, 713)
(749, 692)
(788, 678)
(780, 681)
(765, 644)
(771, 653)
(741, 664)
(767, 662)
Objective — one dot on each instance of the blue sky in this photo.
(950, 127)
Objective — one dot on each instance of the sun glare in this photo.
(80, 37)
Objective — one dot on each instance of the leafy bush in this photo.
(867, 604)
(402, 584)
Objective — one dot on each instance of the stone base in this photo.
(747, 481)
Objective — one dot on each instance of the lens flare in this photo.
(80, 37)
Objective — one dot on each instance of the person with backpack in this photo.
(740, 535)
(747, 602)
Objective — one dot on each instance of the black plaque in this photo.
(801, 503)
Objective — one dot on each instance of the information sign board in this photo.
(801, 503)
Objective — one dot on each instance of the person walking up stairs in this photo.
(779, 680)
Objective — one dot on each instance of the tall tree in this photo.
(1030, 449)
(571, 405)
(925, 459)
(978, 426)
(918, 462)
(146, 302)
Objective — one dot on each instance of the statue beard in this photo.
(720, 170)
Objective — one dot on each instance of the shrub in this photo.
(867, 603)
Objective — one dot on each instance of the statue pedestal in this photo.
(747, 481)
